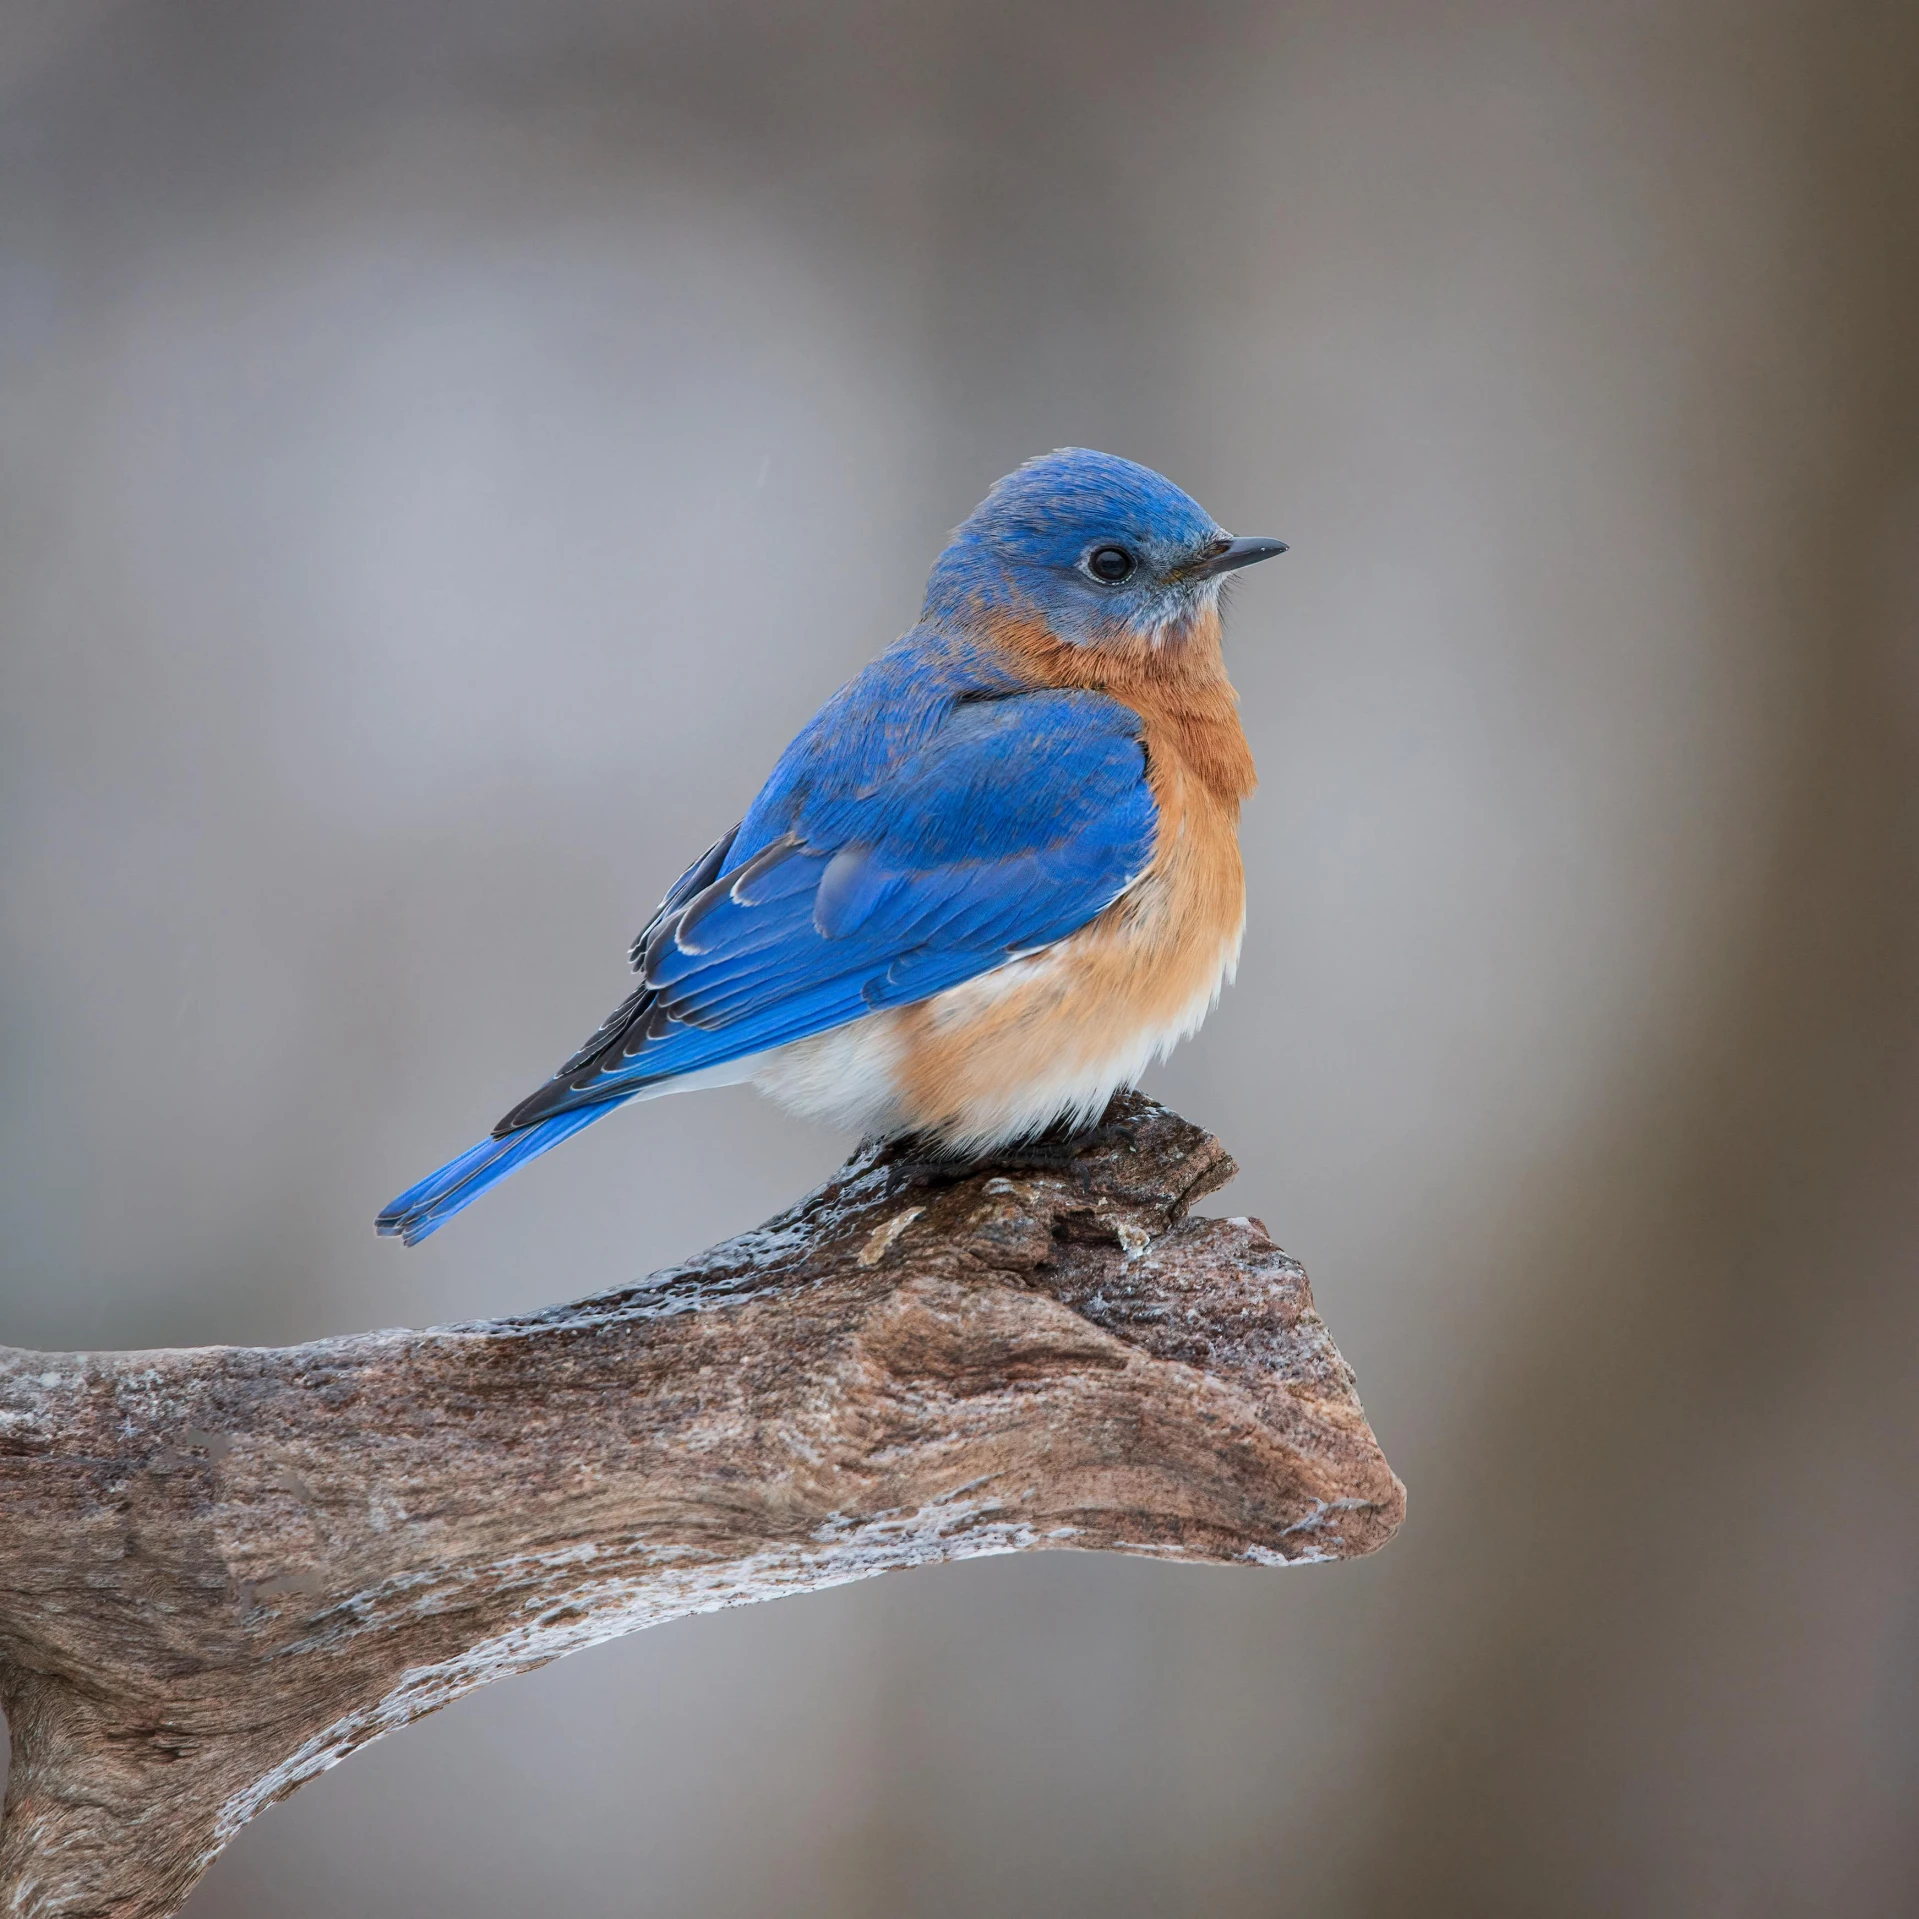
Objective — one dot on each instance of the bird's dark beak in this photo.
(1228, 556)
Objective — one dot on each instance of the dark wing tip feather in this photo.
(696, 879)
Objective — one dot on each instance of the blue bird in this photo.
(995, 876)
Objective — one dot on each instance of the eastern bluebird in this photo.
(995, 876)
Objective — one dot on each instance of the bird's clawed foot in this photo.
(1059, 1149)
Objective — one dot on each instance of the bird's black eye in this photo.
(1110, 564)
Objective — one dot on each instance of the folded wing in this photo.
(1013, 823)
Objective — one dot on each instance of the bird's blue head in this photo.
(1104, 552)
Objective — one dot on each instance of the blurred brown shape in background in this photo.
(444, 456)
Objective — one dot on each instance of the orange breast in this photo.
(1054, 1035)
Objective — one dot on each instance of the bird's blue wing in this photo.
(1008, 823)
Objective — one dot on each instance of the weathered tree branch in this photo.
(225, 1569)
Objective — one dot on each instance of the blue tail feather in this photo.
(425, 1208)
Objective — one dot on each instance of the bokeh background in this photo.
(445, 452)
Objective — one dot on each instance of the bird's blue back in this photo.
(936, 817)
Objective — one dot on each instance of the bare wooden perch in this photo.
(225, 1569)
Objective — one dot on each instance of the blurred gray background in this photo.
(445, 452)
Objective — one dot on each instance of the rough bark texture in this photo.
(224, 1569)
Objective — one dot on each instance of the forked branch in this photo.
(224, 1569)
